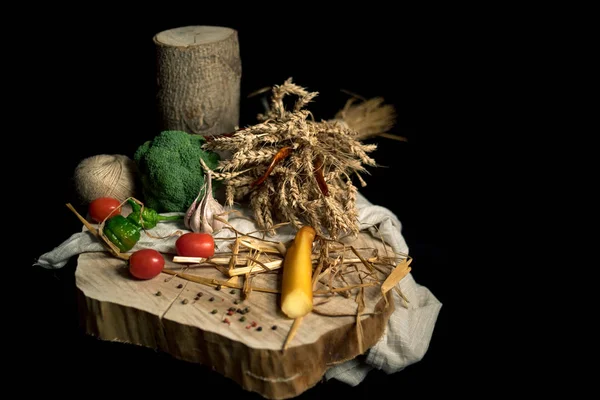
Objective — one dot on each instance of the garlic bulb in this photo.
(201, 217)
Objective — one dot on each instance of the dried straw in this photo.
(332, 261)
(294, 169)
(369, 118)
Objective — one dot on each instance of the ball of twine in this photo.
(105, 175)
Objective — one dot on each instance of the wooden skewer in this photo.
(191, 260)
(216, 282)
(94, 231)
(272, 266)
(233, 259)
(242, 260)
(251, 244)
(83, 220)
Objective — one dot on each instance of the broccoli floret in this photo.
(170, 172)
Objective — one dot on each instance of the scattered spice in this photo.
(218, 287)
(227, 321)
(259, 328)
(248, 327)
(232, 291)
(229, 312)
(231, 308)
(236, 301)
(200, 294)
(214, 311)
(246, 310)
(197, 298)
(254, 324)
(158, 293)
(211, 299)
(274, 327)
(184, 301)
(242, 319)
(180, 286)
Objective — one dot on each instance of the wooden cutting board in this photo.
(190, 320)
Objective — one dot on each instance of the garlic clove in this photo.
(190, 212)
(200, 217)
(211, 208)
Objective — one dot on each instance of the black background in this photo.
(93, 79)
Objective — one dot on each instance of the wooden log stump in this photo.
(199, 74)
(191, 321)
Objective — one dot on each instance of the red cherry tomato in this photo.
(146, 263)
(195, 244)
(103, 207)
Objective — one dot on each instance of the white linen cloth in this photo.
(409, 329)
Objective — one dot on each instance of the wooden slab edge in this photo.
(274, 374)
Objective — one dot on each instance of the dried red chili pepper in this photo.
(318, 165)
(282, 154)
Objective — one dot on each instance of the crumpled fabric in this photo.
(409, 329)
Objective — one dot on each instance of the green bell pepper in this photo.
(122, 232)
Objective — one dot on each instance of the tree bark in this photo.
(199, 73)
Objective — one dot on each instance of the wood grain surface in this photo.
(241, 338)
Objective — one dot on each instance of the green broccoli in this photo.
(170, 172)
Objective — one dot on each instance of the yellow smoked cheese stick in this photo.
(296, 290)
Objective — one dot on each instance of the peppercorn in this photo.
(259, 328)
(274, 327)
(185, 301)
(158, 293)
(214, 311)
(218, 287)
(179, 286)
(200, 294)
(211, 299)
(242, 319)
(232, 291)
